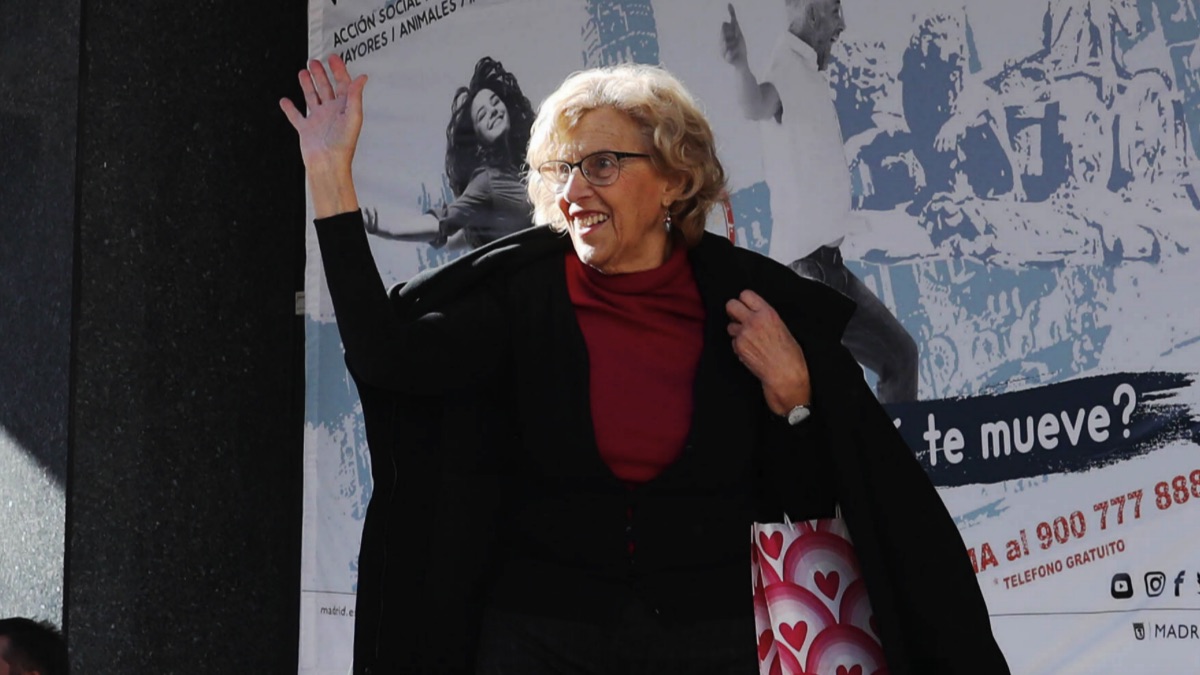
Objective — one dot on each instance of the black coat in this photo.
(437, 464)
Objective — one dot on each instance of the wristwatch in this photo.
(798, 414)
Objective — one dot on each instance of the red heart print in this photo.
(828, 583)
(772, 545)
(764, 643)
(856, 670)
(794, 634)
(776, 666)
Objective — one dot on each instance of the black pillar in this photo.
(159, 245)
(39, 67)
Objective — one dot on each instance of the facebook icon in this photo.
(1179, 582)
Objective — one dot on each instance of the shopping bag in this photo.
(811, 610)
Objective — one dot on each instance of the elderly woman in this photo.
(580, 500)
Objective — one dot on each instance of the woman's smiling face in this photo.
(616, 228)
(489, 115)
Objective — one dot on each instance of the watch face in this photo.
(798, 415)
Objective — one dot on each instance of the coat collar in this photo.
(722, 272)
(810, 309)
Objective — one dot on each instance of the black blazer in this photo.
(438, 446)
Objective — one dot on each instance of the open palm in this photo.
(329, 131)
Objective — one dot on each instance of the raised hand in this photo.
(764, 345)
(328, 133)
(951, 134)
(734, 43)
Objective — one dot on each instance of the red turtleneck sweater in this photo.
(644, 332)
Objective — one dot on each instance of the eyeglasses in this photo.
(599, 168)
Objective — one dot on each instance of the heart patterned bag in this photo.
(811, 610)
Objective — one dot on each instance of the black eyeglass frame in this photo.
(571, 166)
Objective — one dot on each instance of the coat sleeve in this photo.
(458, 345)
(931, 613)
(794, 464)
(793, 472)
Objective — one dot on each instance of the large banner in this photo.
(1020, 227)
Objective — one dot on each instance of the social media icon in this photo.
(1179, 581)
(1155, 583)
(1122, 586)
(1139, 631)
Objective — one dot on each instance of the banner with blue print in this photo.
(1009, 191)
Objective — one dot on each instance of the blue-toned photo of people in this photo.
(811, 188)
(485, 149)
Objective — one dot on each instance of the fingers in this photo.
(732, 15)
(729, 41)
(341, 76)
(769, 351)
(748, 304)
(753, 300)
(293, 114)
(354, 91)
(351, 88)
(311, 100)
(738, 311)
(318, 89)
(337, 68)
(733, 46)
(321, 80)
(749, 315)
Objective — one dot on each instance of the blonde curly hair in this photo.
(670, 120)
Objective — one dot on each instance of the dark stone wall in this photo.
(185, 492)
(180, 212)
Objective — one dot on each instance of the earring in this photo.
(667, 221)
